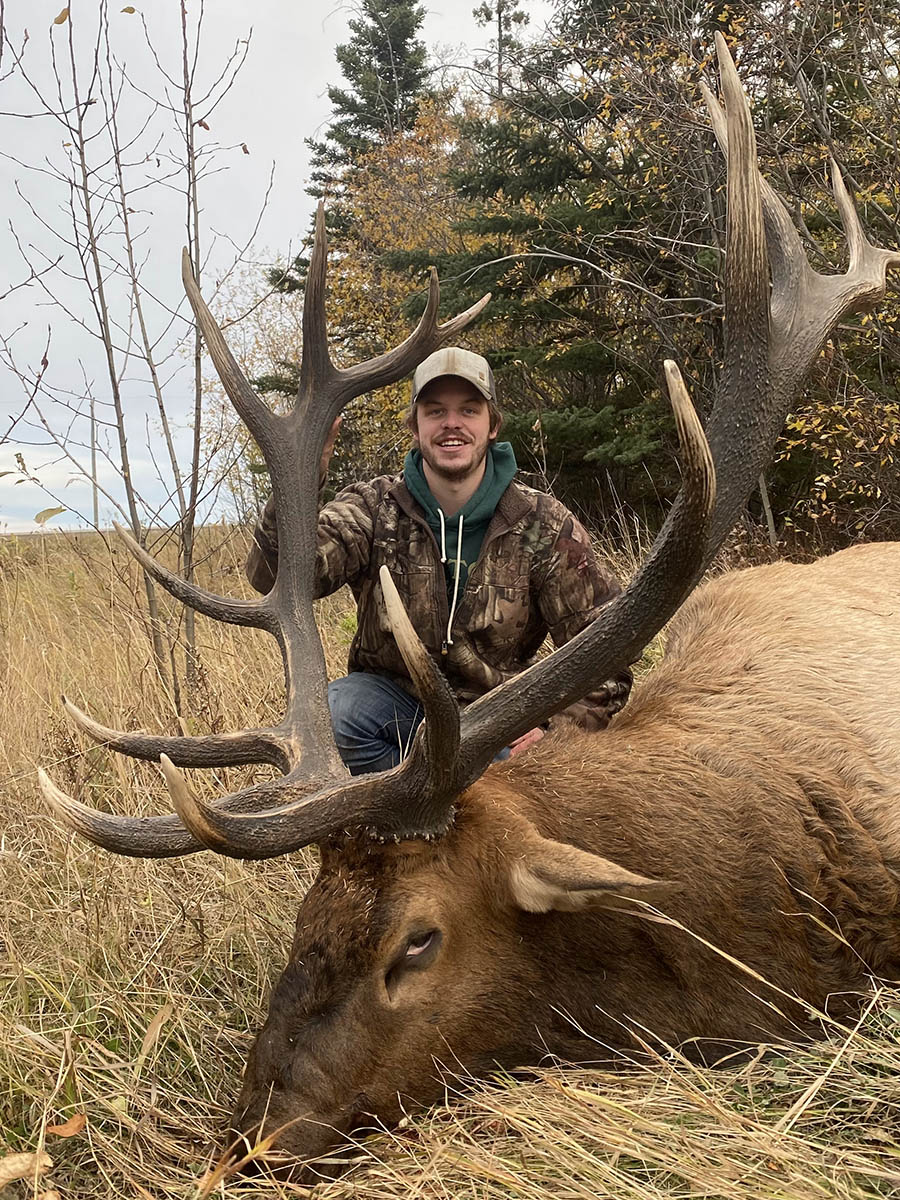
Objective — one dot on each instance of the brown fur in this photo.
(756, 772)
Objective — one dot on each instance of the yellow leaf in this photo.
(69, 1128)
(151, 1036)
(62, 18)
(45, 514)
(129, 8)
(23, 1166)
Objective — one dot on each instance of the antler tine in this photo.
(215, 750)
(256, 416)
(185, 803)
(857, 242)
(787, 260)
(316, 368)
(135, 837)
(427, 337)
(867, 264)
(742, 410)
(441, 725)
(255, 613)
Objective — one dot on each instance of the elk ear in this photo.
(554, 876)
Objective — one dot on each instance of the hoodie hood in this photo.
(499, 470)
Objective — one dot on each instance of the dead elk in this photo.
(719, 867)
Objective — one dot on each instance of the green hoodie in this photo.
(499, 469)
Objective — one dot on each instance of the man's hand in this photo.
(328, 450)
(526, 740)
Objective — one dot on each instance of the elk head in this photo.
(415, 945)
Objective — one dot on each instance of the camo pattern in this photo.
(537, 574)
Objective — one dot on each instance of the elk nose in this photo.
(286, 1166)
(299, 1150)
(251, 1161)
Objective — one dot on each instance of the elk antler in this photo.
(302, 743)
(772, 337)
(770, 342)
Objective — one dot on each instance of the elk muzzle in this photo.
(306, 1148)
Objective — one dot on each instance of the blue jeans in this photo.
(374, 722)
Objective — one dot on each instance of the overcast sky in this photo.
(278, 100)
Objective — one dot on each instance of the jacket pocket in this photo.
(499, 618)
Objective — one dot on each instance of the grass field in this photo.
(129, 990)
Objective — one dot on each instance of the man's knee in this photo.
(361, 703)
(371, 717)
(345, 704)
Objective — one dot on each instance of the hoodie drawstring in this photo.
(449, 641)
(440, 513)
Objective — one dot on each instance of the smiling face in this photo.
(453, 427)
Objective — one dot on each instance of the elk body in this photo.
(720, 866)
(756, 772)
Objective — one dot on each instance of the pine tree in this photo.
(384, 65)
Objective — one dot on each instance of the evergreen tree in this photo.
(507, 19)
(385, 69)
(384, 66)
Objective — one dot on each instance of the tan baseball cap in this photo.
(453, 360)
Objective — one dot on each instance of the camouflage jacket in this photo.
(537, 574)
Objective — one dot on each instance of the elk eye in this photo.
(420, 951)
(420, 943)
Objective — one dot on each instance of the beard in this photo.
(453, 474)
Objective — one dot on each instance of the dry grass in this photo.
(129, 990)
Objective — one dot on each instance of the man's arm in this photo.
(343, 541)
(574, 590)
(261, 566)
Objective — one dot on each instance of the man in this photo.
(485, 566)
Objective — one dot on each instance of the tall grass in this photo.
(129, 990)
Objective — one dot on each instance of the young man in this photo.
(485, 566)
